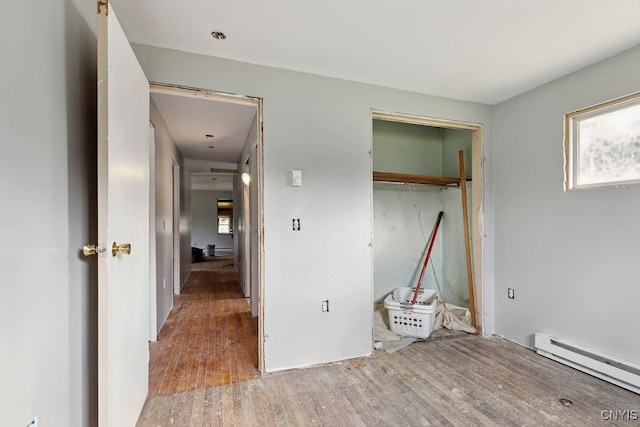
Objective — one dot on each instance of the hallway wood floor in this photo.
(203, 373)
(209, 338)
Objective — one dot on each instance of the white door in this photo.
(123, 217)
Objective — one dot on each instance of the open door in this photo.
(123, 218)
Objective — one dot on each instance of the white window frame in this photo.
(572, 140)
(224, 224)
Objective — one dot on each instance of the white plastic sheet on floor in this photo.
(453, 317)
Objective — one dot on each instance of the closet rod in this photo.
(414, 179)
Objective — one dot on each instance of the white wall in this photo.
(48, 290)
(166, 150)
(321, 126)
(204, 220)
(572, 257)
(399, 247)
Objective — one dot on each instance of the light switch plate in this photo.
(296, 178)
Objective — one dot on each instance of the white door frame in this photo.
(176, 90)
(476, 217)
(153, 281)
(246, 236)
(175, 234)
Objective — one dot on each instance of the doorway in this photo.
(202, 159)
(445, 162)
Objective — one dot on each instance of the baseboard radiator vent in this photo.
(615, 371)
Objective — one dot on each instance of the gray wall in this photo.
(166, 151)
(455, 283)
(48, 290)
(204, 220)
(399, 246)
(407, 148)
(454, 140)
(572, 257)
(330, 258)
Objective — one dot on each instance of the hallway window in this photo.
(225, 216)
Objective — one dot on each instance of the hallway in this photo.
(209, 338)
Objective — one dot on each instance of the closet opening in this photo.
(416, 175)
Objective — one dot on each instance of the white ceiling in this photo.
(482, 51)
(189, 121)
(211, 181)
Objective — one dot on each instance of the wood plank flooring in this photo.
(448, 380)
(209, 338)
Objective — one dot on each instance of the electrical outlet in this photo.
(325, 306)
(296, 224)
(511, 294)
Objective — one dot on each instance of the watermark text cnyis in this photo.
(620, 414)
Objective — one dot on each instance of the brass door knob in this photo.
(123, 248)
(88, 250)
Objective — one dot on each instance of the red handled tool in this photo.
(426, 259)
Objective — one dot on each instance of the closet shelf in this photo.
(414, 179)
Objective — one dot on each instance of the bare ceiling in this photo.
(211, 181)
(189, 121)
(480, 51)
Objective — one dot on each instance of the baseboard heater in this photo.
(615, 371)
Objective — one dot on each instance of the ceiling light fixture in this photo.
(218, 35)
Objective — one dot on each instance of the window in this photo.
(602, 144)
(225, 216)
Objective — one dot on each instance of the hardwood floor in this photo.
(209, 338)
(204, 375)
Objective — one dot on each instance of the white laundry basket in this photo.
(413, 320)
